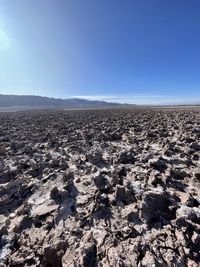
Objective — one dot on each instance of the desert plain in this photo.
(104, 188)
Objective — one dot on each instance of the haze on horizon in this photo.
(142, 52)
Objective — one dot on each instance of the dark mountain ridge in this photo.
(49, 102)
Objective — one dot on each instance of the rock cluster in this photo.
(100, 188)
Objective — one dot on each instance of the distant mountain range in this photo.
(39, 102)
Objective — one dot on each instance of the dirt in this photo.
(100, 188)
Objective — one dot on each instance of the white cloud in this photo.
(4, 41)
(131, 99)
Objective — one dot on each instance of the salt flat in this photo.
(100, 187)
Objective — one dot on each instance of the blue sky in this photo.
(140, 51)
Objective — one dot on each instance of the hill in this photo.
(31, 101)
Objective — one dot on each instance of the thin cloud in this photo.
(121, 98)
(102, 97)
(139, 99)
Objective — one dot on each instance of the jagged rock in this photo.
(54, 194)
(54, 163)
(138, 187)
(63, 165)
(44, 209)
(159, 164)
(124, 195)
(33, 164)
(59, 195)
(154, 205)
(154, 179)
(195, 146)
(116, 256)
(178, 174)
(52, 256)
(68, 176)
(101, 182)
(95, 158)
(150, 260)
(195, 157)
(126, 157)
(100, 188)
(188, 213)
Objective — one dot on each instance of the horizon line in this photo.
(134, 99)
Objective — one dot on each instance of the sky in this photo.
(133, 51)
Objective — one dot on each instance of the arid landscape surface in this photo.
(105, 188)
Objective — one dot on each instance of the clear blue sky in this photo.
(142, 51)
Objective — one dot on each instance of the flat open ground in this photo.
(100, 188)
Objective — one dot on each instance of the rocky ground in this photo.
(100, 188)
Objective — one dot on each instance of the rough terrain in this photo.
(100, 188)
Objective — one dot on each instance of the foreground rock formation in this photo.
(100, 188)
